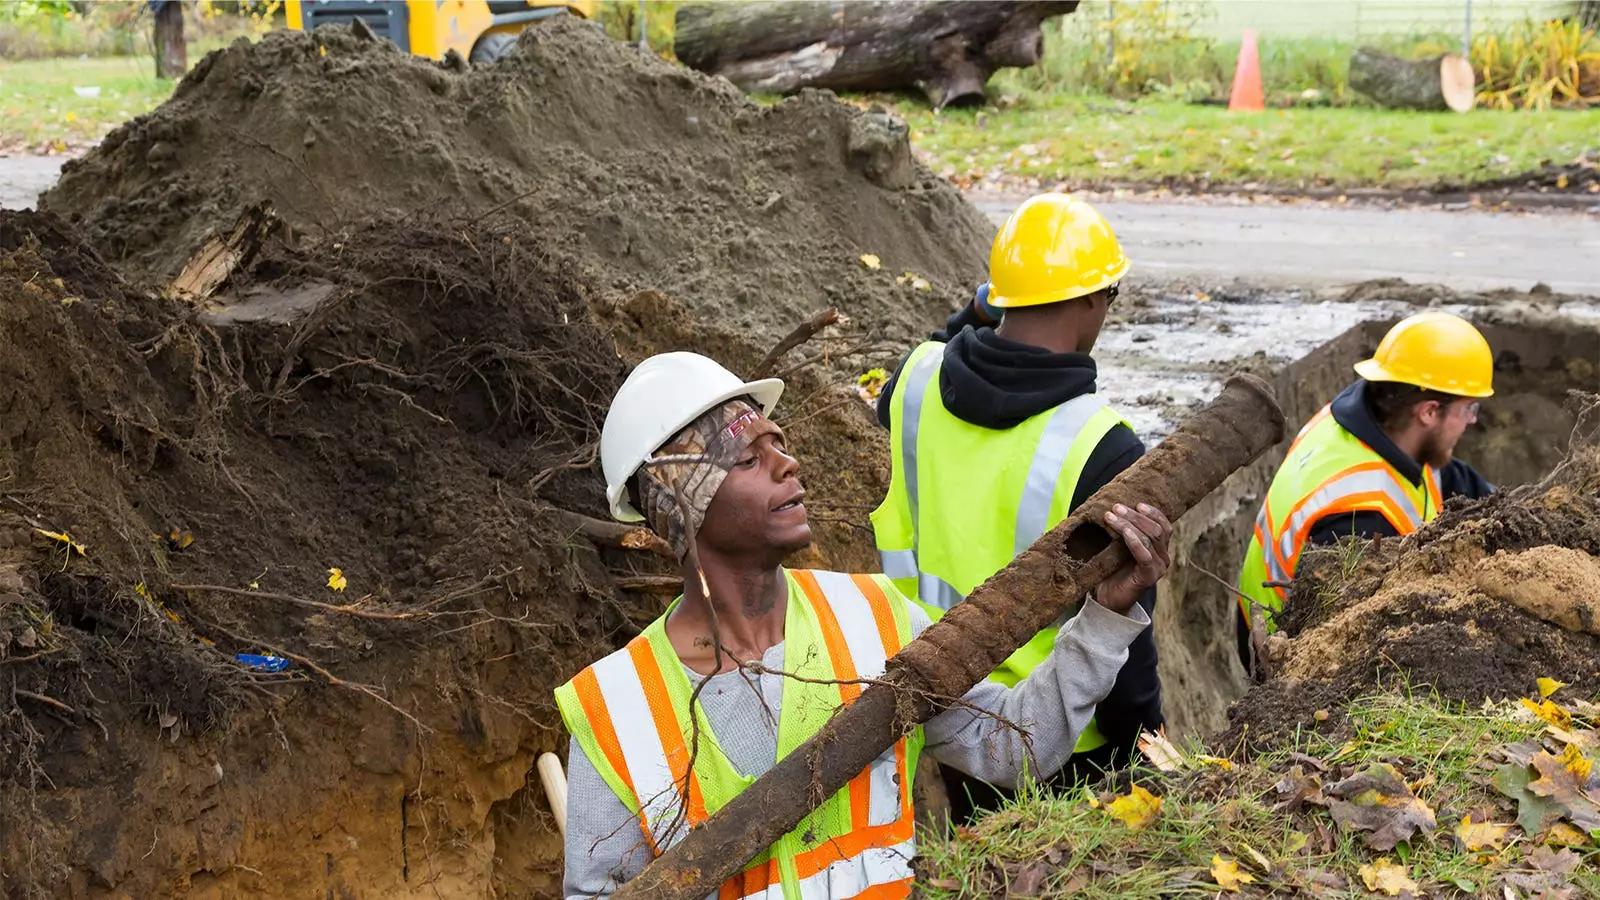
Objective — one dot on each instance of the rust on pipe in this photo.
(964, 646)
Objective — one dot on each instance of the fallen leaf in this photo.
(28, 639)
(1385, 876)
(871, 261)
(1549, 712)
(1563, 835)
(336, 579)
(1556, 862)
(1297, 789)
(1136, 810)
(1161, 752)
(1562, 182)
(1297, 842)
(1477, 835)
(1030, 881)
(1565, 781)
(1534, 813)
(64, 538)
(179, 538)
(1378, 801)
(1257, 860)
(1548, 686)
(1227, 875)
(1582, 738)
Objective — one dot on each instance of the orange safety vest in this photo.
(629, 713)
(1327, 471)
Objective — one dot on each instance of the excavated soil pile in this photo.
(415, 405)
(1491, 597)
(655, 176)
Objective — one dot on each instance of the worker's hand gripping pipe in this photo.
(962, 648)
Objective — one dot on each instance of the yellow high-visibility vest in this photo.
(964, 500)
(1327, 471)
(630, 714)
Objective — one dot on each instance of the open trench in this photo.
(1521, 434)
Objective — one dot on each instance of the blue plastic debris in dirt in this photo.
(263, 663)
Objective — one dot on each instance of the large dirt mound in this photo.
(1478, 606)
(656, 176)
(416, 405)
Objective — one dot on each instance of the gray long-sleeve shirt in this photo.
(1053, 704)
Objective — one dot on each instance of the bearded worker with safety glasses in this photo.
(752, 659)
(997, 434)
(1377, 461)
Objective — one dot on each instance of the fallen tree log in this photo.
(947, 50)
(962, 648)
(1440, 83)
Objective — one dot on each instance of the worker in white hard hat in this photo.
(753, 658)
(1377, 461)
(998, 432)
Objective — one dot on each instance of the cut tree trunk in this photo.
(962, 648)
(1439, 83)
(172, 51)
(947, 50)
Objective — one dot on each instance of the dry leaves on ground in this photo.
(1383, 875)
(1378, 801)
(1137, 809)
(1227, 875)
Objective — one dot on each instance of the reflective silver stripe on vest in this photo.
(898, 563)
(1331, 492)
(1275, 570)
(911, 421)
(1039, 491)
(931, 589)
(935, 591)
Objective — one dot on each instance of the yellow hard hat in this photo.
(1437, 351)
(1053, 248)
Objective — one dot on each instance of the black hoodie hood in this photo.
(1351, 411)
(997, 383)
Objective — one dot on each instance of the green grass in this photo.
(41, 110)
(1074, 848)
(1087, 141)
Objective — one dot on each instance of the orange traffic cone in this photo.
(1247, 94)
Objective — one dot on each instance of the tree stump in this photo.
(1440, 83)
(947, 50)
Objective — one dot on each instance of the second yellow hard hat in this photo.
(1437, 351)
(1053, 248)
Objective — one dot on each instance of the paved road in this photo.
(1300, 245)
(23, 177)
(1312, 244)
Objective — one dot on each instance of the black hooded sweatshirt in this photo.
(1353, 411)
(996, 383)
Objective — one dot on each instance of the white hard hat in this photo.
(660, 398)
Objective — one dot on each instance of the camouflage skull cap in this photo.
(716, 440)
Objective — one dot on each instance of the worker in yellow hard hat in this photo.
(1377, 461)
(997, 434)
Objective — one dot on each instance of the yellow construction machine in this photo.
(481, 30)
